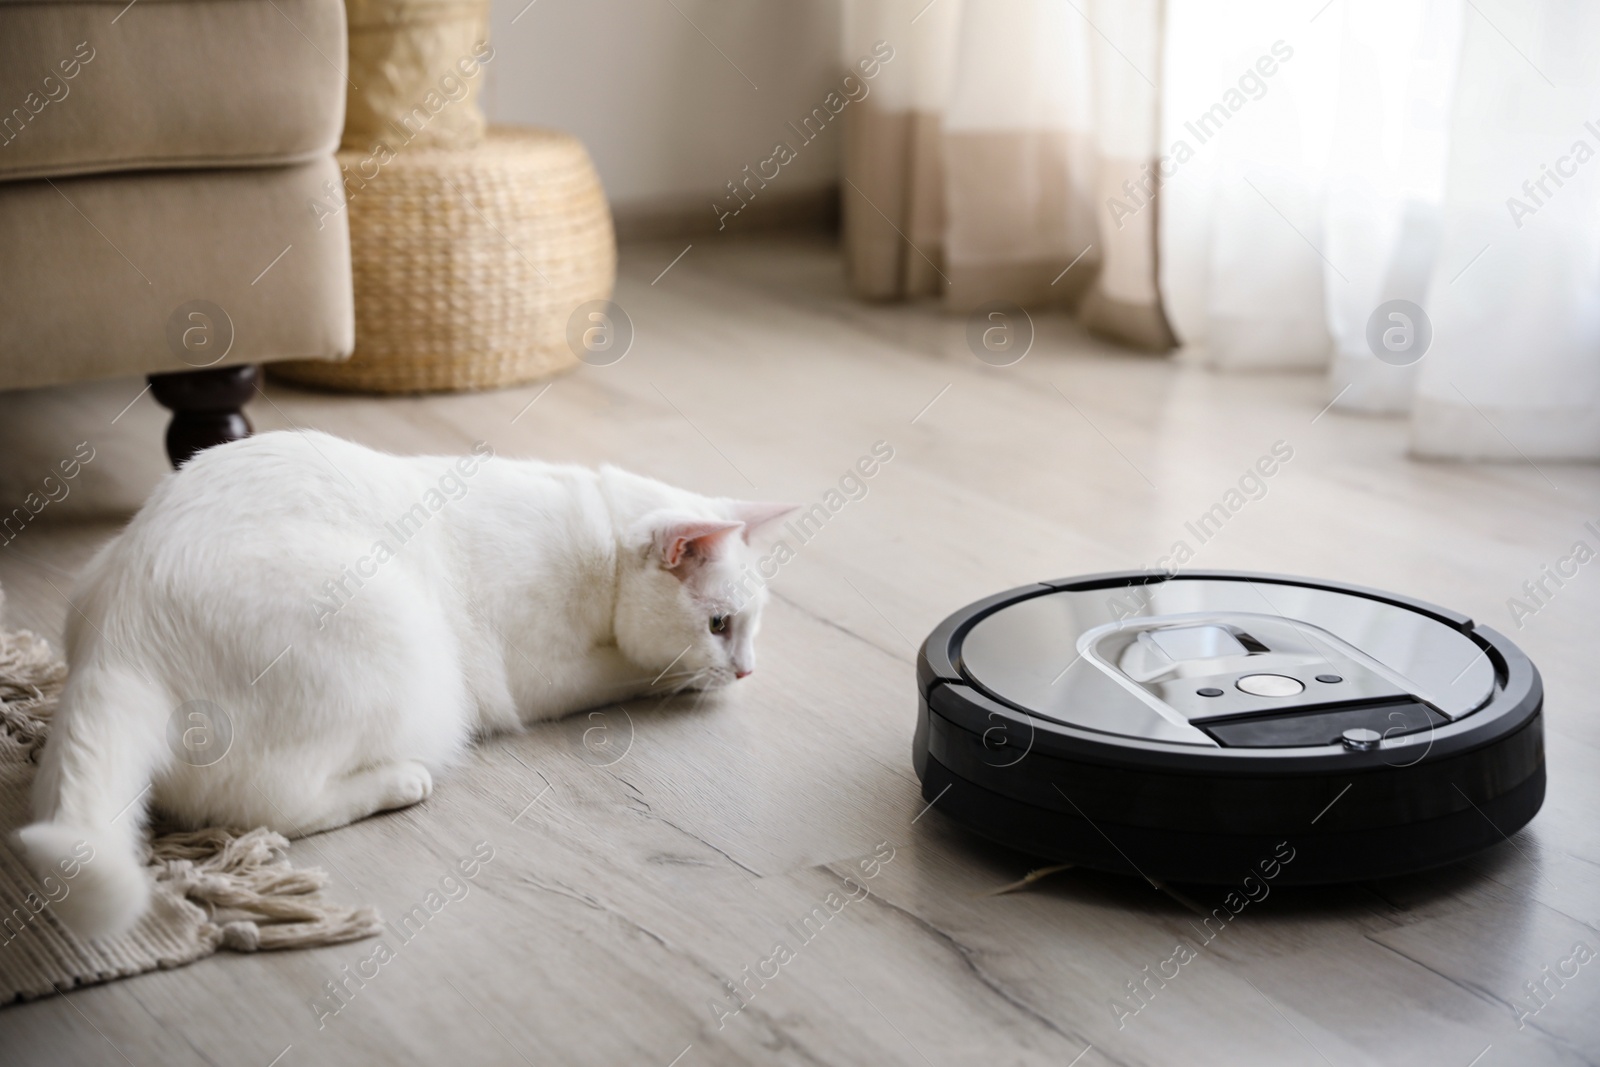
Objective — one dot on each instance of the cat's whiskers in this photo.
(691, 680)
(668, 683)
(700, 700)
(703, 679)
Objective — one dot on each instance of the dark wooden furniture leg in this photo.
(206, 407)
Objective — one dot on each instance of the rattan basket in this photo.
(469, 263)
(420, 67)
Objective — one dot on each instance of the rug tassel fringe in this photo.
(254, 900)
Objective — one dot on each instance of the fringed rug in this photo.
(214, 888)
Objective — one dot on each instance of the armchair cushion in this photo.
(103, 272)
(91, 86)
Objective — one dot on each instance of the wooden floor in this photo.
(635, 874)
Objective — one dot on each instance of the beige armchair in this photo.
(160, 162)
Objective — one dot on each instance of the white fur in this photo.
(525, 591)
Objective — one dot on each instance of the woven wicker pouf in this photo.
(469, 263)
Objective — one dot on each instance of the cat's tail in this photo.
(87, 849)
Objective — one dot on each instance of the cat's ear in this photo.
(679, 538)
(756, 514)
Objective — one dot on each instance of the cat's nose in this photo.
(744, 674)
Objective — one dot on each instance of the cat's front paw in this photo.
(409, 784)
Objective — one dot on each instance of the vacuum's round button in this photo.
(1361, 738)
(1329, 679)
(1209, 691)
(1270, 685)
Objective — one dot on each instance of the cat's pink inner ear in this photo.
(681, 539)
(756, 514)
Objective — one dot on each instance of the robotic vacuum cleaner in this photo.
(1199, 726)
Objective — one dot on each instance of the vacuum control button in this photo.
(1270, 685)
(1361, 738)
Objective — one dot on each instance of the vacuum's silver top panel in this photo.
(1155, 661)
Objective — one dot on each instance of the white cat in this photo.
(353, 620)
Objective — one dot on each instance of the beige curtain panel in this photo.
(978, 167)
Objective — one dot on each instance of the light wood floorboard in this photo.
(623, 896)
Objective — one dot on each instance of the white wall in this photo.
(664, 116)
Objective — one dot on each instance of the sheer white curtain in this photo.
(1318, 161)
(1379, 165)
(1516, 366)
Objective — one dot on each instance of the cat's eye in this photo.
(719, 623)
